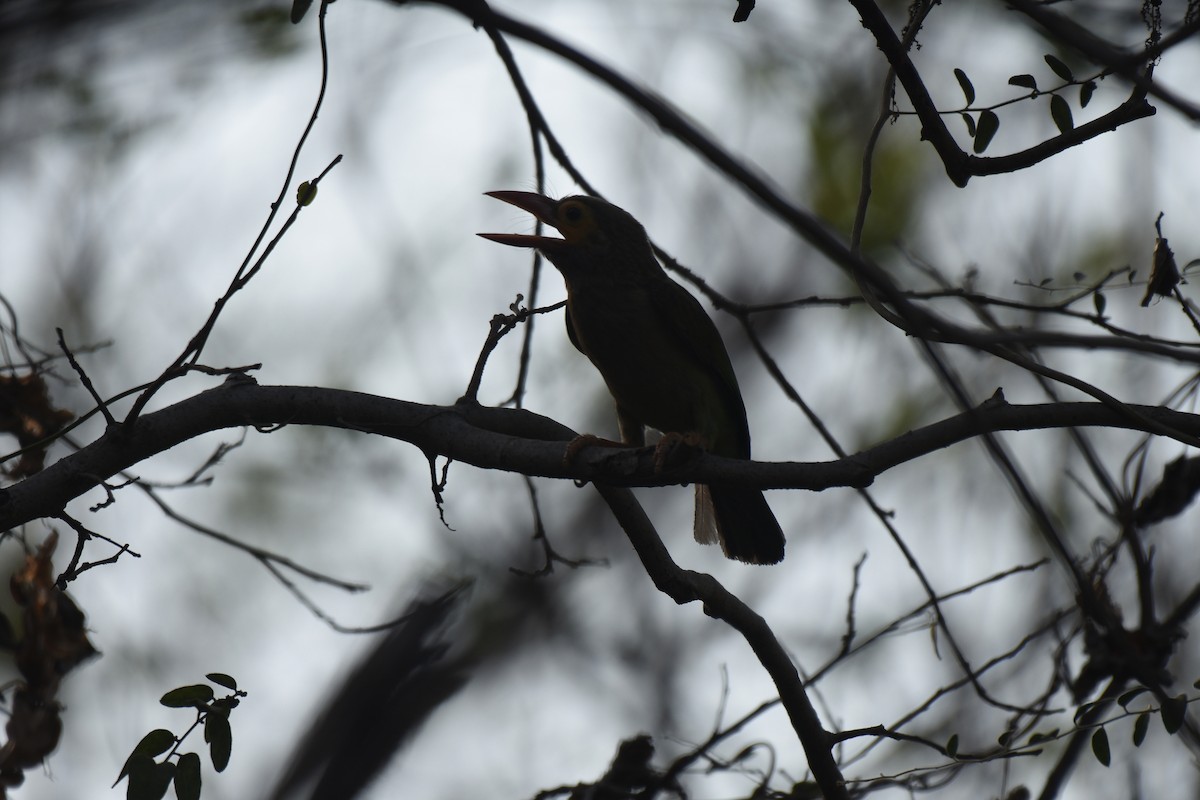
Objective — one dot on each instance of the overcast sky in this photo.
(383, 287)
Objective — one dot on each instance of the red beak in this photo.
(536, 204)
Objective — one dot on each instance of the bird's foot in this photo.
(673, 445)
(579, 443)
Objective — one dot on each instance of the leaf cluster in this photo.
(149, 779)
(982, 129)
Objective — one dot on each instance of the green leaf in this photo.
(187, 777)
(221, 679)
(1060, 112)
(964, 83)
(1042, 736)
(155, 742)
(1173, 710)
(1085, 93)
(1100, 747)
(224, 705)
(952, 746)
(1024, 80)
(220, 740)
(1124, 700)
(306, 193)
(985, 129)
(1060, 69)
(1140, 726)
(198, 694)
(1101, 302)
(136, 763)
(970, 123)
(1086, 707)
(299, 9)
(744, 753)
(150, 781)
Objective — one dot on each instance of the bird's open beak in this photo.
(541, 207)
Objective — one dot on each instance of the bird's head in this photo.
(596, 235)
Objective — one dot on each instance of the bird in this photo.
(658, 351)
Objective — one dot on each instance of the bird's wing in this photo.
(694, 332)
(571, 329)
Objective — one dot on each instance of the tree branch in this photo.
(961, 166)
(685, 586)
(517, 440)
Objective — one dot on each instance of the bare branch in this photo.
(517, 440)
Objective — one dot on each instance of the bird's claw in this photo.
(579, 443)
(672, 445)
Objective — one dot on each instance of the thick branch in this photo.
(520, 441)
(516, 440)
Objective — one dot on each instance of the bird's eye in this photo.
(572, 212)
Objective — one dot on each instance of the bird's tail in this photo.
(740, 520)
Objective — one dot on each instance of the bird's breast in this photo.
(651, 374)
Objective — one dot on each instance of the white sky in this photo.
(382, 287)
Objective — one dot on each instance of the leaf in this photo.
(187, 777)
(156, 741)
(1042, 736)
(299, 9)
(1100, 747)
(197, 694)
(969, 121)
(136, 763)
(220, 740)
(1060, 69)
(1025, 80)
(150, 781)
(306, 193)
(1081, 711)
(1085, 93)
(952, 746)
(964, 83)
(1101, 302)
(1060, 112)
(1140, 726)
(985, 129)
(745, 753)
(1164, 274)
(222, 679)
(1124, 700)
(1175, 491)
(1173, 710)
(224, 706)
